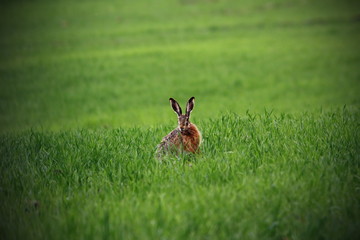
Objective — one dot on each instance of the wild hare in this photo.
(186, 138)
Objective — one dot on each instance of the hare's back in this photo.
(171, 139)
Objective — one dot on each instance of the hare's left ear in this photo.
(176, 107)
(190, 105)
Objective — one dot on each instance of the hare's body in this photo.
(188, 141)
(185, 138)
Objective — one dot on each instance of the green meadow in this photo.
(84, 89)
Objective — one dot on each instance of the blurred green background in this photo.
(75, 64)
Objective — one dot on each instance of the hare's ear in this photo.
(190, 105)
(175, 106)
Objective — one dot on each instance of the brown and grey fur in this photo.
(186, 138)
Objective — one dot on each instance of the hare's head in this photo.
(183, 119)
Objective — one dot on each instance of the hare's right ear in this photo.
(190, 105)
(175, 106)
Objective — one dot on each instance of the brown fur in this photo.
(191, 139)
(178, 141)
(185, 138)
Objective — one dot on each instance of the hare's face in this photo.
(184, 122)
(183, 119)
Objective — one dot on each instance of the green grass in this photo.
(258, 177)
(84, 89)
(66, 65)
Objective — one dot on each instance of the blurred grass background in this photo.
(66, 64)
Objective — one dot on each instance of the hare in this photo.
(186, 138)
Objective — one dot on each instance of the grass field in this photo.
(91, 64)
(84, 90)
(258, 177)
